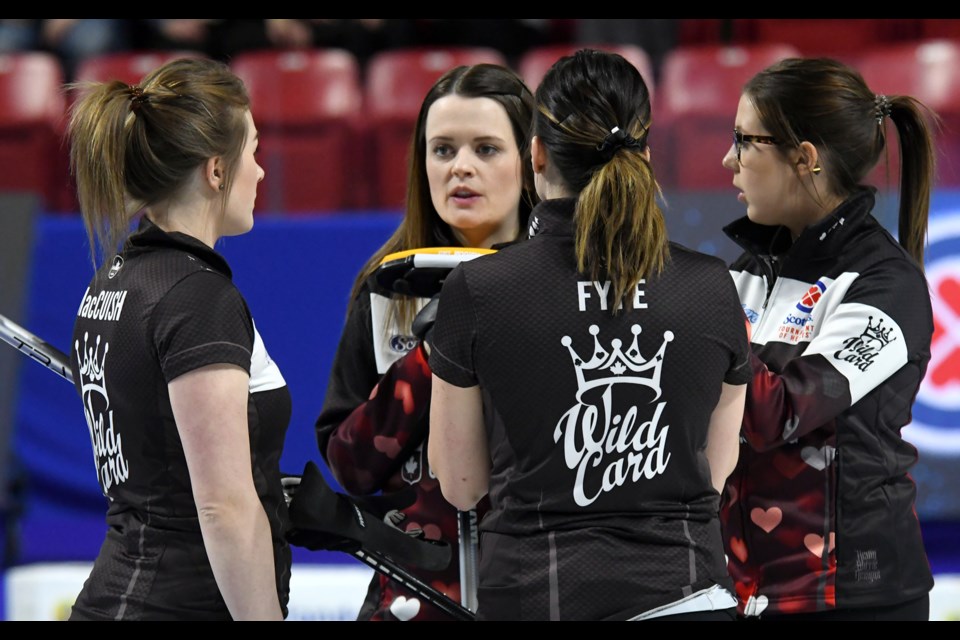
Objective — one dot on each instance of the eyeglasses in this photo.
(739, 138)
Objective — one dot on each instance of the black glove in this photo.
(423, 322)
(401, 276)
(322, 519)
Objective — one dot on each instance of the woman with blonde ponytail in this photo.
(591, 380)
(186, 411)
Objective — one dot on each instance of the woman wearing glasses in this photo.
(819, 513)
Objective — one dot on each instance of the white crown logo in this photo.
(595, 372)
(877, 333)
(91, 367)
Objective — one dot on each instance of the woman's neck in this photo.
(482, 238)
(818, 209)
(195, 219)
(552, 190)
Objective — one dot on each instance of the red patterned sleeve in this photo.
(808, 394)
(370, 424)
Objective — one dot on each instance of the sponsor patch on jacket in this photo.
(811, 297)
(796, 327)
(402, 344)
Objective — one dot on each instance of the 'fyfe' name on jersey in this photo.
(106, 305)
(601, 291)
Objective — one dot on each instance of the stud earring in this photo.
(221, 184)
(817, 168)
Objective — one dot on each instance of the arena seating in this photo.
(696, 101)
(32, 110)
(307, 105)
(929, 70)
(129, 67)
(335, 136)
(842, 39)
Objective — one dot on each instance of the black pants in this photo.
(912, 610)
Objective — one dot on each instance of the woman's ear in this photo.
(538, 155)
(808, 159)
(213, 174)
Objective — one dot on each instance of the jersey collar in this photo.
(149, 236)
(552, 217)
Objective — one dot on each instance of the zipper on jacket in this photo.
(758, 328)
(770, 266)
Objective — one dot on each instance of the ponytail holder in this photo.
(137, 97)
(617, 139)
(881, 108)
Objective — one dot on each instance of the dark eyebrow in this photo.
(477, 139)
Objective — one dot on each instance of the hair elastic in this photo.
(137, 97)
(881, 107)
(617, 139)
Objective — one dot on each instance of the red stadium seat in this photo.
(937, 28)
(697, 103)
(703, 31)
(843, 39)
(929, 71)
(307, 105)
(129, 67)
(535, 63)
(396, 84)
(32, 119)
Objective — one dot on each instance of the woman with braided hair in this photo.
(591, 379)
(819, 519)
(186, 411)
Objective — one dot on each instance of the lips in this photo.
(462, 192)
(740, 195)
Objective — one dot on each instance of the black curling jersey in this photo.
(601, 497)
(164, 306)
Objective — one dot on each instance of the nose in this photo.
(730, 159)
(261, 174)
(463, 164)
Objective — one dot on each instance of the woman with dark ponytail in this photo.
(591, 379)
(819, 518)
